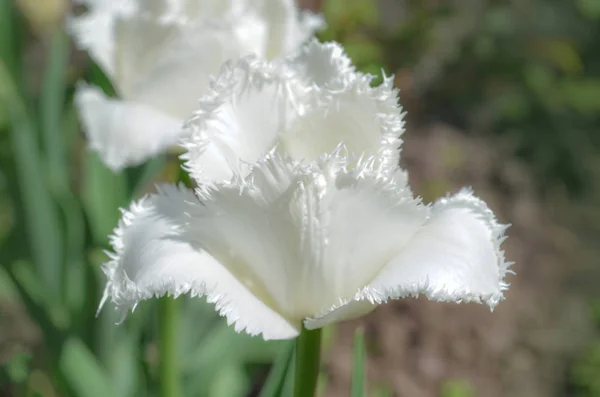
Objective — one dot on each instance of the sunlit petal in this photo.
(366, 120)
(323, 64)
(307, 235)
(364, 217)
(455, 257)
(155, 255)
(250, 104)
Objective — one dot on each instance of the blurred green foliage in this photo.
(528, 72)
(583, 379)
(354, 24)
(457, 388)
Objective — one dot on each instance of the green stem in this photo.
(168, 349)
(308, 355)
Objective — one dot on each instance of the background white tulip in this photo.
(160, 55)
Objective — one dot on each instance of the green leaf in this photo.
(220, 347)
(7, 288)
(457, 388)
(103, 193)
(347, 15)
(328, 337)
(231, 381)
(359, 384)
(100, 79)
(322, 383)
(561, 53)
(4, 117)
(512, 104)
(542, 81)
(52, 104)
(38, 306)
(288, 385)
(42, 222)
(141, 178)
(57, 133)
(41, 304)
(382, 390)
(124, 363)
(8, 38)
(198, 321)
(582, 95)
(276, 381)
(119, 349)
(223, 344)
(365, 53)
(499, 20)
(17, 367)
(589, 8)
(82, 371)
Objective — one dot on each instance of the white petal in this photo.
(345, 310)
(124, 133)
(140, 42)
(168, 66)
(100, 32)
(322, 64)
(308, 236)
(253, 230)
(366, 120)
(156, 255)
(454, 257)
(364, 217)
(250, 103)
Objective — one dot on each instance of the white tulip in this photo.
(160, 55)
(302, 216)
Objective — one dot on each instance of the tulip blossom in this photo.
(302, 216)
(160, 55)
